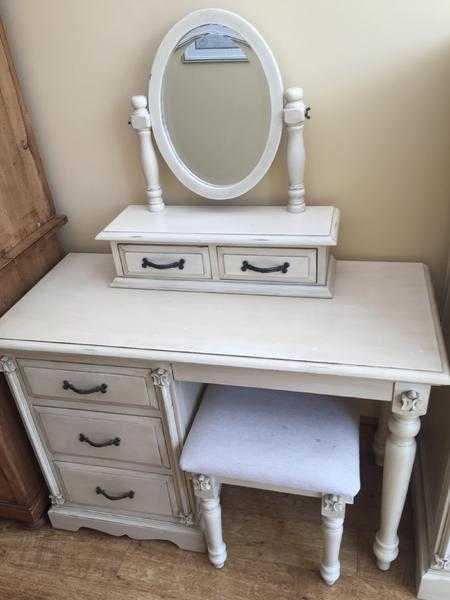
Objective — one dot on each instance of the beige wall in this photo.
(377, 74)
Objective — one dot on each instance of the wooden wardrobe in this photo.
(28, 249)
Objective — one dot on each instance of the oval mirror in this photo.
(216, 102)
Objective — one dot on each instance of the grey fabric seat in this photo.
(272, 439)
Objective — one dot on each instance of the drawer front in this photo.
(104, 436)
(88, 383)
(127, 491)
(165, 262)
(298, 265)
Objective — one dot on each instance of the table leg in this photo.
(400, 451)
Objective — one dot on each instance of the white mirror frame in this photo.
(273, 77)
(294, 114)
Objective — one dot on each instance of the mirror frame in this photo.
(274, 82)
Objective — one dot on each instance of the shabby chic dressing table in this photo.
(107, 379)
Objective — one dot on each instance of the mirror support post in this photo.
(294, 119)
(140, 122)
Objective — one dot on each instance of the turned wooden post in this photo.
(207, 490)
(408, 404)
(333, 514)
(294, 117)
(140, 122)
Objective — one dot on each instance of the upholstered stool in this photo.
(283, 441)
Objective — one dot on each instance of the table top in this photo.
(316, 225)
(382, 323)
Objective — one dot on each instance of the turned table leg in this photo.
(403, 425)
(207, 490)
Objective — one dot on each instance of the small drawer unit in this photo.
(228, 249)
(284, 265)
(165, 262)
(108, 438)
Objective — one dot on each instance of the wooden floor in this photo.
(274, 545)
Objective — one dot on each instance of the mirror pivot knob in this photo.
(139, 102)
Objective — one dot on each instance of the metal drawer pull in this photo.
(114, 442)
(101, 492)
(99, 388)
(283, 268)
(179, 264)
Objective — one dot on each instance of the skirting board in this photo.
(138, 528)
(233, 287)
(432, 583)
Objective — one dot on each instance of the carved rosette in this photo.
(410, 403)
(202, 483)
(7, 364)
(160, 377)
(187, 519)
(57, 499)
(441, 563)
(333, 506)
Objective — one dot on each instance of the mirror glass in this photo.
(216, 104)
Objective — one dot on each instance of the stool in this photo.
(290, 442)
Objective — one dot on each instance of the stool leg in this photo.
(207, 491)
(333, 513)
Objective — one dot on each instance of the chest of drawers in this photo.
(108, 438)
(259, 250)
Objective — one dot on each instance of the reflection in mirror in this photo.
(216, 104)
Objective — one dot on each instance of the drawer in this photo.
(288, 265)
(78, 433)
(88, 383)
(165, 262)
(128, 491)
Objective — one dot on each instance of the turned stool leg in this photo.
(333, 512)
(207, 489)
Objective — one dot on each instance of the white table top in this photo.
(317, 225)
(382, 323)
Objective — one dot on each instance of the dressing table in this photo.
(107, 378)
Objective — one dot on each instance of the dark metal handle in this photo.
(282, 268)
(179, 264)
(101, 492)
(307, 111)
(113, 442)
(99, 388)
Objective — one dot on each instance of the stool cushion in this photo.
(267, 438)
